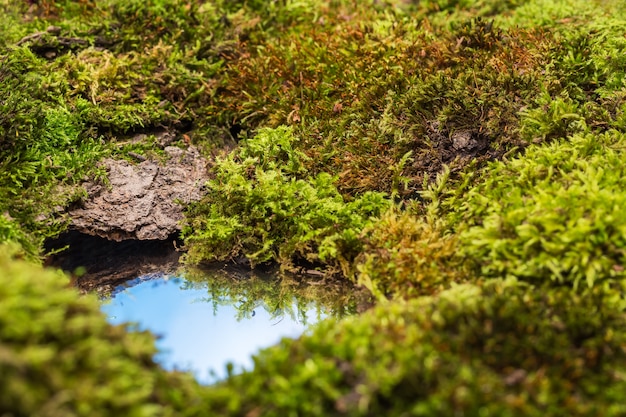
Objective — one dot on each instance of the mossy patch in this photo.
(44, 144)
(262, 204)
(59, 356)
(553, 214)
(409, 146)
(364, 92)
(406, 256)
(503, 349)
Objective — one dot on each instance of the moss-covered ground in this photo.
(461, 160)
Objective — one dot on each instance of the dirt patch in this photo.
(142, 201)
(457, 147)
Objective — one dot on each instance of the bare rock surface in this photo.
(140, 201)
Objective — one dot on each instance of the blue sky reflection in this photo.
(194, 336)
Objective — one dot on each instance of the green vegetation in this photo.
(554, 214)
(500, 350)
(407, 256)
(60, 357)
(463, 161)
(258, 206)
(44, 148)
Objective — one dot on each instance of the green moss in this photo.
(405, 256)
(58, 355)
(363, 92)
(548, 215)
(411, 99)
(45, 146)
(500, 350)
(553, 214)
(262, 205)
(69, 92)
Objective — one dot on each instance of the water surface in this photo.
(204, 325)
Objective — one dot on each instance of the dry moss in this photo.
(405, 256)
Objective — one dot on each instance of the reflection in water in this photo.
(203, 325)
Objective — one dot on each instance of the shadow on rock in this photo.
(99, 264)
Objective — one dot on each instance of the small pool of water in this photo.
(202, 327)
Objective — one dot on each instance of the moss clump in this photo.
(406, 256)
(262, 205)
(59, 356)
(553, 214)
(361, 93)
(499, 350)
(45, 147)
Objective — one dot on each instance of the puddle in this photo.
(204, 323)
(204, 317)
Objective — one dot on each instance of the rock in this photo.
(463, 141)
(141, 200)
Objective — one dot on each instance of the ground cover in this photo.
(463, 161)
(60, 357)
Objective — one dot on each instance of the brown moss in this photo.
(406, 257)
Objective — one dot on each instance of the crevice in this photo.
(95, 263)
(234, 131)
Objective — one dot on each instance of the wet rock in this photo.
(141, 200)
